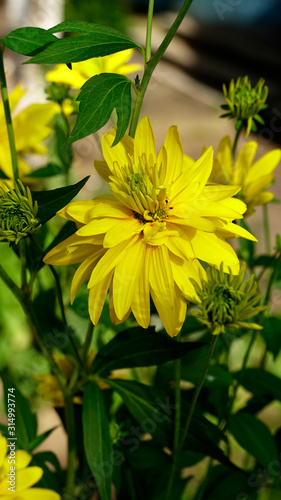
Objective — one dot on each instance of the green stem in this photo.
(190, 415)
(6, 105)
(152, 63)
(22, 248)
(266, 227)
(177, 365)
(72, 451)
(234, 147)
(149, 31)
(87, 343)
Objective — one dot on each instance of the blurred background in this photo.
(218, 40)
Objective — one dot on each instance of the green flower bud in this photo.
(244, 102)
(227, 301)
(115, 432)
(17, 213)
(57, 92)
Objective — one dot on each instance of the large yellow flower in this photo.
(25, 477)
(253, 178)
(145, 238)
(31, 127)
(82, 71)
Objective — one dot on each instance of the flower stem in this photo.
(87, 343)
(266, 228)
(177, 365)
(22, 247)
(70, 428)
(149, 31)
(190, 415)
(234, 147)
(151, 64)
(6, 105)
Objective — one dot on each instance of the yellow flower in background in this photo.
(48, 385)
(253, 177)
(25, 477)
(145, 238)
(82, 71)
(31, 127)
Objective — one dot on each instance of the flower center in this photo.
(140, 189)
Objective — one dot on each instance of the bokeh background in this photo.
(218, 40)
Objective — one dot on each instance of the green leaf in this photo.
(271, 327)
(49, 202)
(97, 439)
(139, 347)
(98, 41)
(191, 370)
(26, 422)
(254, 436)
(222, 482)
(146, 405)
(264, 260)
(260, 382)
(48, 171)
(28, 41)
(39, 439)
(99, 96)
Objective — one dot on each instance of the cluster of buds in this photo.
(17, 213)
(244, 102)
(227, 301)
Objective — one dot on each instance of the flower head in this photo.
(80, 72)
(17, 213)
(147, 236)
(244, 102)
(253, 177)
(227, 301)
(26, 476)
(31, 127)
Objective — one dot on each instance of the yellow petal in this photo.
(77, 211)
(109, 260)
(97, 226)
(3, 449)
(122, 231)
(36, 494)
(264, 166)
(183, 271)
(102, 169)
(174, 150)
(83, 273)
(23, 459)
(24, 479)
(116, 154)
(230, 230)
(145, 142)
(126, 276)
(213, 250)
(97, 296)
(244, 161)
(141, 299)
(256, 186)
(64, 253)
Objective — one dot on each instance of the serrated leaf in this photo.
(28, 41)
(97, 439)
(95, 41)
(138, 347)
(99, 96)
(254, 436)
(49, 202)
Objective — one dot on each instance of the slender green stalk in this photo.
(152, 63)
(271, 279)
(87, 343)
(177, 365)
(190, 415)
(149, 31)
(266, 228)
(72, 450)
(234, 147)
(6, 105)
(22, 247)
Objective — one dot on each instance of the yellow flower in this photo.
(25, 477)
(82, 71)
(253, 178)
(145, 238)
(31, 127)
